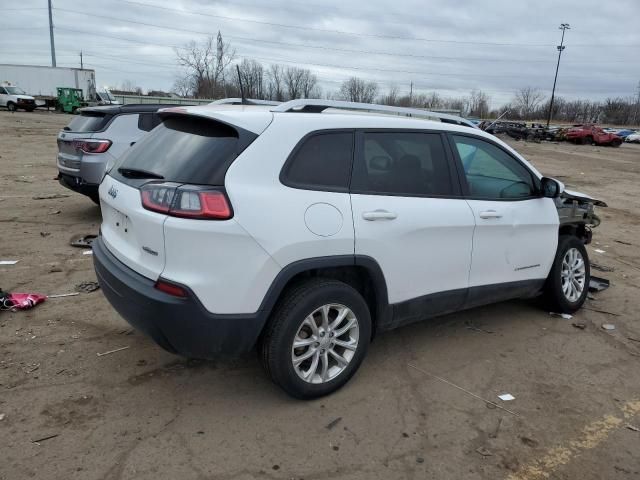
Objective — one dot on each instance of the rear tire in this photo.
(587, 140)
(567, 285)
(325, 346)
(11, 106)
(616, 143)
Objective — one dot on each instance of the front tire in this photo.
(11, 106)
(317, 338)
(567, 286)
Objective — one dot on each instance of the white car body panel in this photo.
(226, 269)
(254, 181)
(519, 245)
(128, 229)
(425, 249)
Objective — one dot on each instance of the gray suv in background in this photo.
(97, 136)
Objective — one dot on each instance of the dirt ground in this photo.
(142, 413)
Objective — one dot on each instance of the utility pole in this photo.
(53, 44)
(411, 94)
(561, 47)
(81, 64)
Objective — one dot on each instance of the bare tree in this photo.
(130, 86)
(252, 75)
(294, 78)
(183, 86)
(391, 98)
(309, 85)
(479, 104)
(275, 83)
(358, 90)
(206, 64)
(527, 100)
(432, 100)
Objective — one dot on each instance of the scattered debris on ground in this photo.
(51, 197)
(82, 241)
(112, 351)
(87, 287)
(597, 284)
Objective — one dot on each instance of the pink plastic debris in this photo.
(22, 301)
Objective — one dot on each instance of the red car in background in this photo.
(588, 134)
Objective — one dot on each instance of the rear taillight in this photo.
(170, 288)
(186, 201)
(90, 145)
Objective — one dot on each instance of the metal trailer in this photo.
(42, 81)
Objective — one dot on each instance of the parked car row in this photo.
(581, 134)
(305, 234)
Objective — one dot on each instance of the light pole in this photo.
(561, 47)
(53, 44)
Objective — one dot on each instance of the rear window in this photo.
(183, 149)
(88, 122)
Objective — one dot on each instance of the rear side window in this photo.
(402, 163)
(148, 121)
(322, 162)
(183, 149)
(88, 122)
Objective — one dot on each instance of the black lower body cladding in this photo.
(179, 325)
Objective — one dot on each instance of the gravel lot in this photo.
(142, 413)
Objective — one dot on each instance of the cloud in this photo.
(452, 47)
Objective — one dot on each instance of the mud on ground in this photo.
(142, 413)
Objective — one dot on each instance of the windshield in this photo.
(106, 95)
(15, 91)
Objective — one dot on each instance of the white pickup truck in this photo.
(13, 98)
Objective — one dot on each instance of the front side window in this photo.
(492, 173)
(402, 163)
(323, 161)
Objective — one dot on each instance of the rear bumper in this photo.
(78, 185)
(179, 325)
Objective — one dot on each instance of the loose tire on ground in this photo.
(555, 298)
(294, 309)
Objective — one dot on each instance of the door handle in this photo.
(490, 214)
(379, 215)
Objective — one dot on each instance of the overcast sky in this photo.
(447, 46)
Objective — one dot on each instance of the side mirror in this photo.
(551, 188)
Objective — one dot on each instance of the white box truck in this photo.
(41, 81)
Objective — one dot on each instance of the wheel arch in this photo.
(579, 230)
(361, 272)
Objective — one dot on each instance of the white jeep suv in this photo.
(306, 228)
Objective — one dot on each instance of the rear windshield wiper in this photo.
(136, 173)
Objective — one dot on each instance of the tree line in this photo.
(212, 71)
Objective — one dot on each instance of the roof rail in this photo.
(317, 106)
(247, 101)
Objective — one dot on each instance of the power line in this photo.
(345, 32)
(321, 47)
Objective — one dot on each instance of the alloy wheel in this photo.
(325, 343)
